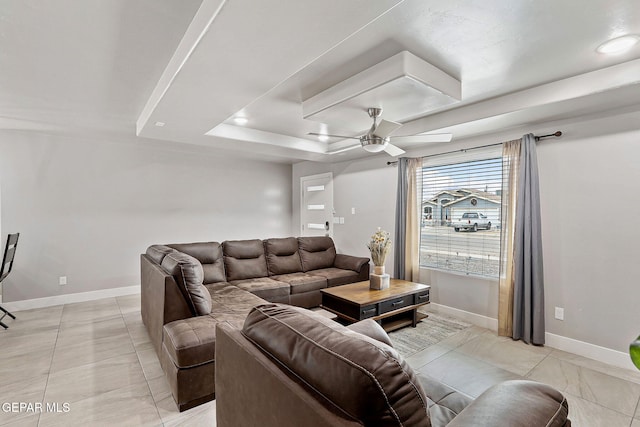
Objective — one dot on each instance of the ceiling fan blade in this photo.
(433, 137)
(386, 128)
(392, 150)
(333, 136)
(342, 150)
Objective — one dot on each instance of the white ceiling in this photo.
(105, 65)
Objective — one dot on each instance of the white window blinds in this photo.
(460, 212)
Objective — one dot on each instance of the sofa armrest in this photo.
(516, 403)
(372, 329)
(349, 262)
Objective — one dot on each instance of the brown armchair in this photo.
(290, 366)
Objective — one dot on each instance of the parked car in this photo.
(472, 221)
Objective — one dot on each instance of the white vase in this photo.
(378, 280)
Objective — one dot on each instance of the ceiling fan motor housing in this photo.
(373, 143)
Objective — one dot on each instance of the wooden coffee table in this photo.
(393, 308)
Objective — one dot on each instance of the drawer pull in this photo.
(422, 297)
(368, 311)
(397, 303)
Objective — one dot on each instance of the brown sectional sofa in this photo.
(187, 289)
(292, 367)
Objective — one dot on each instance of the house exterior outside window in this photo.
(449, 191)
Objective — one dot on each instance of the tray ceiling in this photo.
(128, 66)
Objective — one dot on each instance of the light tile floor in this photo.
(474, 359)
(96, 358)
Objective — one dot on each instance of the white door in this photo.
(316, 207)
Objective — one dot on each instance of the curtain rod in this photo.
(537, 137)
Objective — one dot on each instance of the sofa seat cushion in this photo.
(264, 287)
(190, 342)
(227, 298)
(365, 378)
(233, 318)
(516, 403)
(445, 403)
(336, 276)
(302, 282)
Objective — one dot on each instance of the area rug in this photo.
(428, 332)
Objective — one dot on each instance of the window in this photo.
(463, 192)
(427, 213)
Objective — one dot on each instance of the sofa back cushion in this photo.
(210, 256)
(282, 256)
(244, 259)
(188, 274)
(158, 252)
(316, 252)
(363, 377)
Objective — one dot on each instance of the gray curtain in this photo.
(528, 292)
(399, 257)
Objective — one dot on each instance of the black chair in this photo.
(9, 253)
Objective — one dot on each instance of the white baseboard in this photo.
(476, 319)
(592, 351)
(30, 304)
(581, 348)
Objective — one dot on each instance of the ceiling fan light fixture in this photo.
(374, 144)
(374, 148)
(618, 45)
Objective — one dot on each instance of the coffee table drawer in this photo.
(358, 313)
(368, 311)
(349, 309)
(422, 297)
(396, 303)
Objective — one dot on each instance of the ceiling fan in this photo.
(378, 137)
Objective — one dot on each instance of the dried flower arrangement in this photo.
(379, 246)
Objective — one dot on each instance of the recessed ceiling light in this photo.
(240, 120)
(160, 124)
(323, 138)
(618, 45)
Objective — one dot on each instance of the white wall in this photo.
(590, 241)
(588, 183)
(86, 208)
